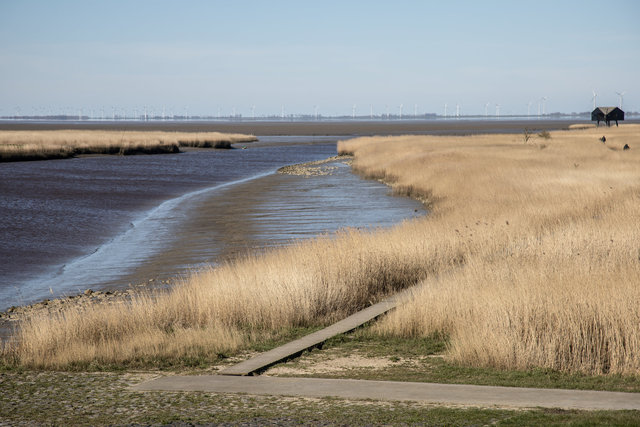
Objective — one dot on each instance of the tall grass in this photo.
(551, 276)
(309, 283)
(40, 145)
(529, 257)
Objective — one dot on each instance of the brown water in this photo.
(105, 222)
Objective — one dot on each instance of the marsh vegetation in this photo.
(60, 144)
(529, 258)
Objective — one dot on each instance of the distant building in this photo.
(607, 114)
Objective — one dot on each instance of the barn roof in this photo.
(606, 110)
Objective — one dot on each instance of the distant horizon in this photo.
(156, 112)
(298, 117)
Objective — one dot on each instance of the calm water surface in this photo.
(104, 222)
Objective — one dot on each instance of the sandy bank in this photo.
(319, 167)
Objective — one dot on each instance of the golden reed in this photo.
(529, 257)
(58, 144)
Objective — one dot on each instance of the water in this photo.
(104, 222)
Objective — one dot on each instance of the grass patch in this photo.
(54, 398)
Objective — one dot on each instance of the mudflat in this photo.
(346, 127)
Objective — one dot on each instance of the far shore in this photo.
(48, 144)
(317, 128)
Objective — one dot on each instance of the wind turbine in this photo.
(544, 105)
(457, 110)
(445, 109)
(497, 110)
(486, 109)
(253, 112)
(529, 109)
(401, 105)
(415, 110)
(353, 111)
(282, 113)
(371, 111)
(315, 111)
(620, 98)
(595, 95)
(387, 108)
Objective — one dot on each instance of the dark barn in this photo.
(607, 114)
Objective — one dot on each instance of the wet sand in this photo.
(346, 127)
(300, 202)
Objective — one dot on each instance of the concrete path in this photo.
(296, 347)
(236, 380)
(469, 395)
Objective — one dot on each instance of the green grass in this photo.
(55, 398)
(411, 362)
(104, 398)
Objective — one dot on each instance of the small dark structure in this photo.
(607, 114)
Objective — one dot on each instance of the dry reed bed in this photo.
(223, 309)
(40, 145)
(552, 268)
(529, 257)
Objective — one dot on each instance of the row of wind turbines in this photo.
(145, 113)
(542, 104)
(620, 98)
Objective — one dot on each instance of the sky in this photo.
(265, 57)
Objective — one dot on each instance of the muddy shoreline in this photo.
(239, 237)
(118, 296)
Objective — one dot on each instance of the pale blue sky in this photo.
(205, 56)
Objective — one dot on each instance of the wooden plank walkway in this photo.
(294, 348)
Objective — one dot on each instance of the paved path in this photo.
(296, 347)
(236, 380)
(471, 395)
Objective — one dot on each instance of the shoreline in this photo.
(306, 169)
(120, 293)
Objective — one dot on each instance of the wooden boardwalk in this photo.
(315, 339)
